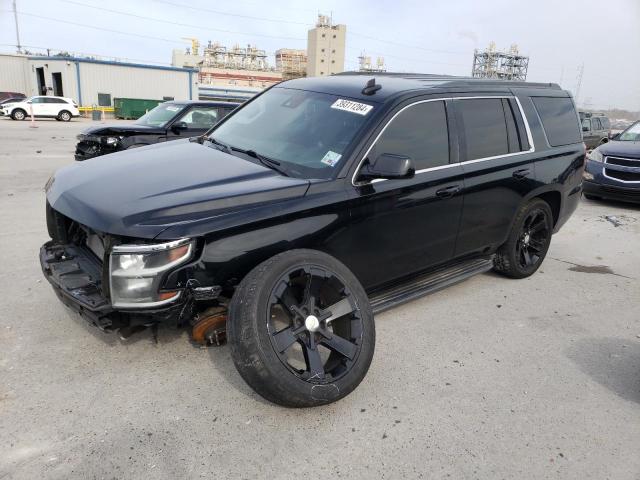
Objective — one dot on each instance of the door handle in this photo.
(448, 191)
(520, 174)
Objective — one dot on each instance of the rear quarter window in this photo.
(559, 120)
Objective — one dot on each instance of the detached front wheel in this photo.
(301, 330)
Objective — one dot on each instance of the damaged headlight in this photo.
(111, 141)
(595, 155)
(135, 272)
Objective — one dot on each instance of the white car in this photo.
(60, 108)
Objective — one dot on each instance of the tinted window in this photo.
(53, 100)
(201, 118)
(559, 120)
(419, 132)
(38, 100)
(596, 124)
(586, 125)
(484, 126)
(605, 123)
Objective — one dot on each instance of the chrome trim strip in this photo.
(133, 306)
(157, 247)
(604, 169)
(440, 167)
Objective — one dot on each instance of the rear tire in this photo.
(278, 331)
(528, 243)
(64, 116)
(18, 114)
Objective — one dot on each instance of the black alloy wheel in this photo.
(534, 239)
(314, 323)
(523, 252)
(301, 329)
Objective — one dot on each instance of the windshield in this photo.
(307, 133)
(631, 134)
(159, 116)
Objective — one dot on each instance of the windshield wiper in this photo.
(226, 147)
(266, 161)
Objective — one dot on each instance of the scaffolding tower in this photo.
(366, 65)
(249, 58)
(492, 63)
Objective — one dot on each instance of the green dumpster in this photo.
(133, 108)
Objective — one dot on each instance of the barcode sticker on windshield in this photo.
(353, 107)
(331, 158)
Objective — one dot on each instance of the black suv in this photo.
(313, 206)
(168, 121)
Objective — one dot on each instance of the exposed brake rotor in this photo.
(210, 327)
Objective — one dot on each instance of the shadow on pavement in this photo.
(612, 362)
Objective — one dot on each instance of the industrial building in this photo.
(366, 65)
(492, 63)
(224, 67)
(292, 63)
(94, 82)
(326, 48)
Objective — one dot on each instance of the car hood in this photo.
(128, 129)
(622, 149)
(140, 193)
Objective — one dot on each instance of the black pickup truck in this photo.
(310, 208)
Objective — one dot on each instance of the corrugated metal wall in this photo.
(18, 73)
(14, 75)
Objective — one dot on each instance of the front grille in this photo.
(623, 176)
(629, 171)
(624, 162)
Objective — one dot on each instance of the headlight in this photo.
(111, 141)
(135, 272)
(80, 137)
(595, 155)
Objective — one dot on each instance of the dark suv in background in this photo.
(168, 121)
(314, 205)
(613, 169)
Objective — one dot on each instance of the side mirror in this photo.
(179, 126)
(389, 166)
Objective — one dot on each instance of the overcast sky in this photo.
(431, 36)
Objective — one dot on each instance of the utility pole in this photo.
(15, 17)
(580, 73)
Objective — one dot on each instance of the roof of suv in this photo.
(200, 102)
(351, 84)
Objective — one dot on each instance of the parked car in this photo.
(10, 95)
(60, 108)
(613, 169)
(311, 207)
(595, 129)
(168, 121)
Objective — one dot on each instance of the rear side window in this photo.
(596, 124)
(419, 132)
(559, 120)
(484, 125)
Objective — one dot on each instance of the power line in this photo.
(218, 12)
(170, 22)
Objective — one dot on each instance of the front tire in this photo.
(301, 329)
(528, 243)
(18, 114)
(64, 116)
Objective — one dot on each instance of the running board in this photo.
(426, 283)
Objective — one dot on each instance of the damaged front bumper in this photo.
(77, 277)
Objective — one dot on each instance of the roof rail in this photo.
(455, 80)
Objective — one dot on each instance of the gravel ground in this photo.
(492, 378)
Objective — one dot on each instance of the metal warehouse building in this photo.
(94, 82)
